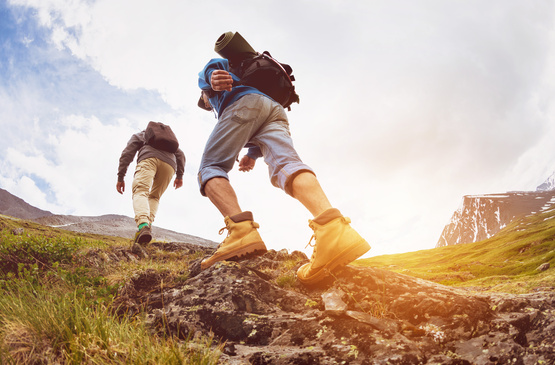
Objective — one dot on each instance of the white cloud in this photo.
(405, 106)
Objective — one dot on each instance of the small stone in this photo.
(17, 231)
(139, 251)
(333, 302)
(543, 267)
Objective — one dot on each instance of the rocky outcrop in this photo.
(548, 184)
(481, 216)
(360, 315)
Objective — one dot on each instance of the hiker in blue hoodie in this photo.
(247, 117)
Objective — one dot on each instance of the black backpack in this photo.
(268, 75)
(161, 137)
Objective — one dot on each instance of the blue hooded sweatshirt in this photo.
(222, 99)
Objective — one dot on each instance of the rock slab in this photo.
(360, 315)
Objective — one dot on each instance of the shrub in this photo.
(25, 250)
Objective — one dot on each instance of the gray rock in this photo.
(17, 231)
(333, 303)
(379, 317)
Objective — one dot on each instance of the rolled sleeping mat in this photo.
(233, 46)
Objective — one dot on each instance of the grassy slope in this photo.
(55, 305)
(56, 293)
(505, 262)
(9, 223)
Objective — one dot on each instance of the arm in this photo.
(205, 76)
(221, 80)
(180, 158)
(254, 152)
(218, 67)
(127, 156)
(120, 186)
(246, 163)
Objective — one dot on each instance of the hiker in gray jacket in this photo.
(153, 173)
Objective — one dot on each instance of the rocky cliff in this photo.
(548, 184)
(481, 216)
(361, 315)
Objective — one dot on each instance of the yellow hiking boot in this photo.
(242, 239)
(337, 244)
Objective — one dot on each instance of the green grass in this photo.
(57, 289)
(505, 262)
(55, 307)
(54, 324)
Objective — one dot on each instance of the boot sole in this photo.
(247, 251)
(343, 259)
(145, 238)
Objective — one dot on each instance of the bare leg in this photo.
(307, 190)
(221, 194)
(337, 243)
(243, 239)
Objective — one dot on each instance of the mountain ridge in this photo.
(548, 184)
(252, 311)
(481, 216)
(107, 224)
(16, 207)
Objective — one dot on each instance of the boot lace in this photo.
(314, 227)
(220, 232)
(310, 242)
(313, 245)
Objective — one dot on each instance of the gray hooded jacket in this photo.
(137, 143)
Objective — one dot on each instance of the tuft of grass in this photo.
(54, 324)
(28, 250)
(506, 262)
(287, 280)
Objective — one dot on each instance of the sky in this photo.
(406, 106)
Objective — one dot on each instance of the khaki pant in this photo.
(152, 177)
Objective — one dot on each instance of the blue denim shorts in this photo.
(255, 120)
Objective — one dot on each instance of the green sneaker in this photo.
(143, 236)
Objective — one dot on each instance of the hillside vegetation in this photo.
(57, 291)
(61, 302)
(506, 262)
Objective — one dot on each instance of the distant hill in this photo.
(15, 207)
(520, 258)
(116, 225)
(110, 225)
